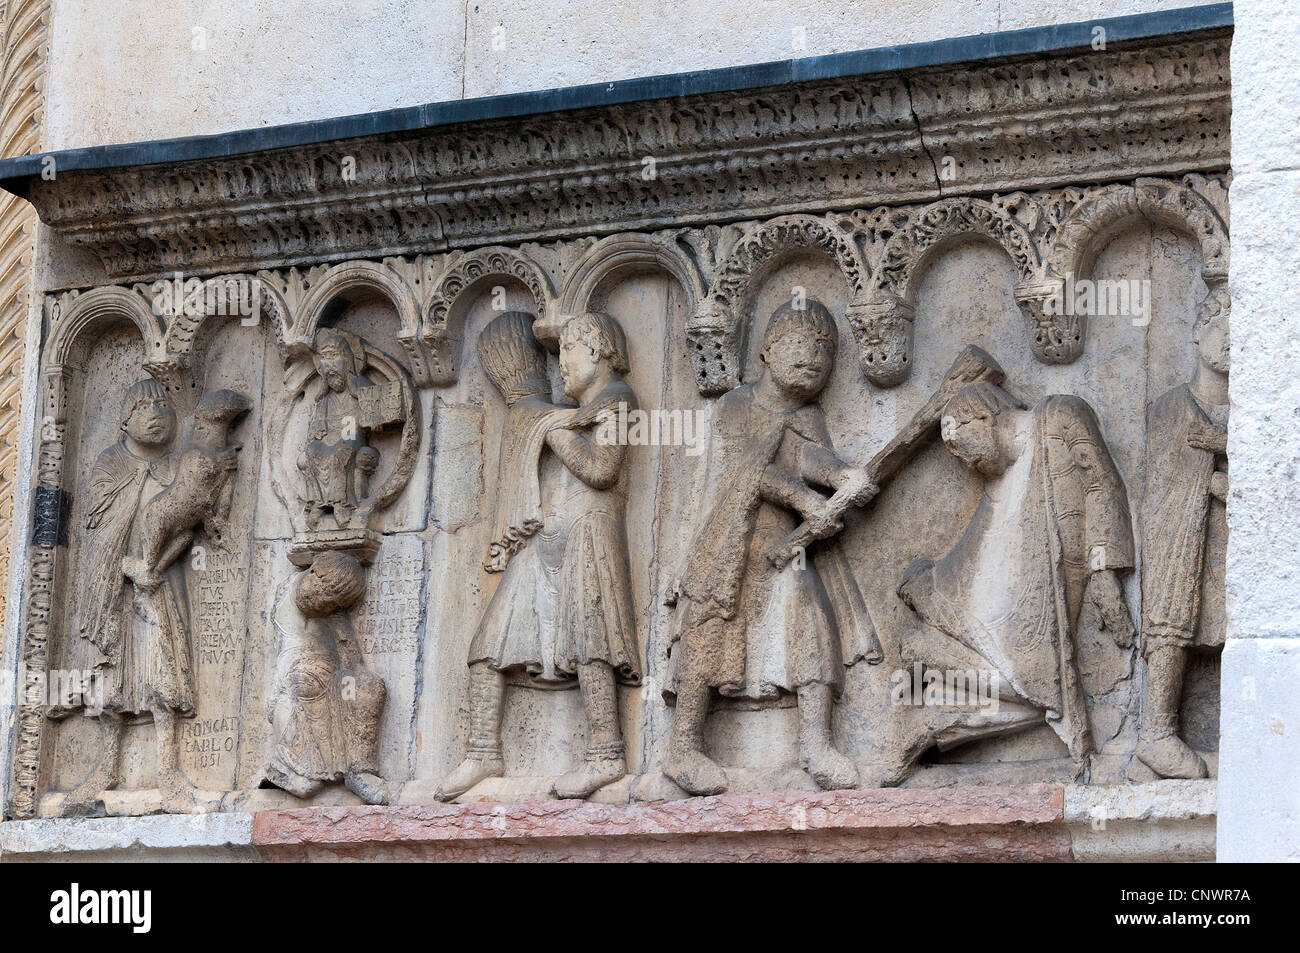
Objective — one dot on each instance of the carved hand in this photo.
(1211, 439)
(1108, 596)
(1219, 485)
(859, 486)
(367, 460)
(824, 522)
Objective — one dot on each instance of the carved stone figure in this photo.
(141, 520)
(564, 605)
(327, 708)
(1052, 528)
(751, 626)
(336, 460)
(1187, 485)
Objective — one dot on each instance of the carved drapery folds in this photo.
(880, 255)
(381, 462)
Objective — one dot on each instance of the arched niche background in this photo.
(720, 329)
(106, 340)
(368, 300)
(966, 296)
(224, 579)
(757, 741)
(99, 344)
(467, 418)
(374, 302)
(503, 272)
(544, 730)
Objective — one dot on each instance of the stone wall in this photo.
(1259, 802)
(937, 215)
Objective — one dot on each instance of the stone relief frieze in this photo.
(902, 469)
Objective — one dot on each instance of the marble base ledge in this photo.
(1163, 820)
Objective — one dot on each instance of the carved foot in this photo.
(468, 773)
(1170, 757)
(696, 774)
(595, 772)
(369, 787)
(178, 795)
(85, 800)
(295, 784)
(831, 770)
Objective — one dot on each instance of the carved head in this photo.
(512, 358)
(590, 342)
(1211, 330)
(799, 348)
(147, 414)
(334, 582)
(339, 357)
(974, 427)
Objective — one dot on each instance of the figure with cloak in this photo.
(1051, 529)
(327, 708)
(337, 460)
(1184, 538)
(744, 626)
(139, 640)
(563, 609)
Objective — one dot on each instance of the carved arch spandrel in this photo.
(586, 286)
(718, 327)
(336, 281)
(444, 309)
(1106, 212)
(1086, 231)
(71, 316)
(884, 320)
(188, 335)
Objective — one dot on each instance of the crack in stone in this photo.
(920, 133)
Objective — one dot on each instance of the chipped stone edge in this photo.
(53, 836)
(1158, 821)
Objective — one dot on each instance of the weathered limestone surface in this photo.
(833, 450)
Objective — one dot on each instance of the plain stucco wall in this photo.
(132, 70)
(1259, 770)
